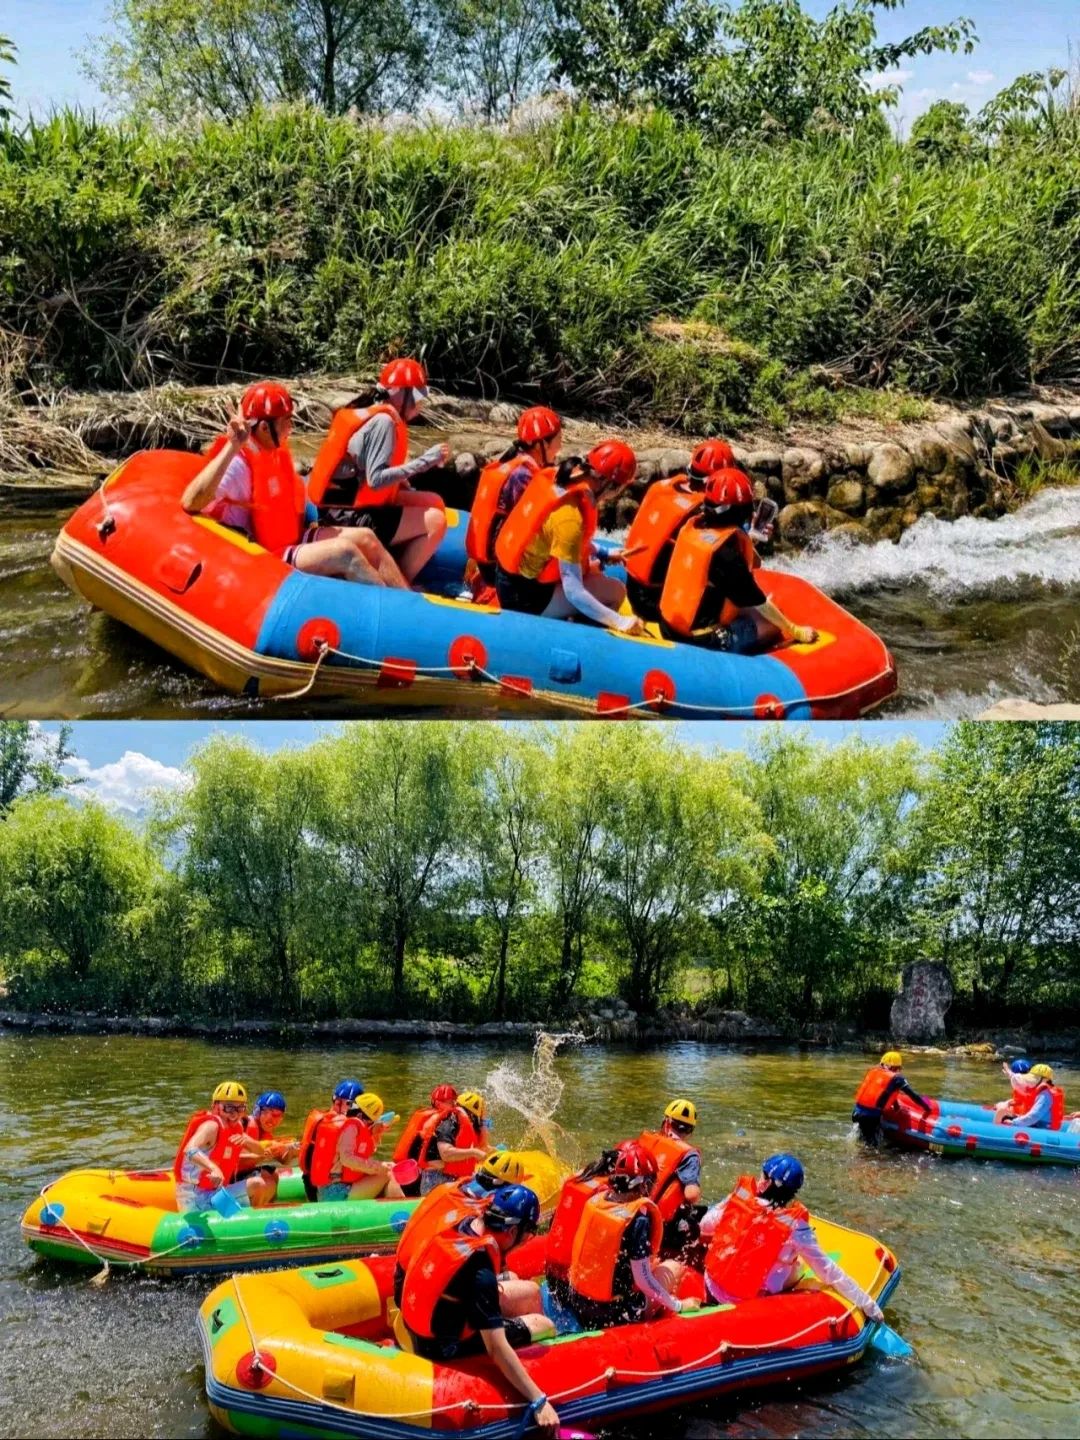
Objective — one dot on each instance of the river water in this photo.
(973, 611)
(989, 1296)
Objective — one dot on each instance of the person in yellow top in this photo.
(544, 554)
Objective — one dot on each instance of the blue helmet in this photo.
(1020, 1067)
(513, 1205)
(785, 1172)
(348, 1089)
(269, 1100)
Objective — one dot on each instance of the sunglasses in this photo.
(228, 1109)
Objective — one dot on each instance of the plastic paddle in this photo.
(890, 1343)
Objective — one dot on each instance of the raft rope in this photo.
(610, 1374)
(659, 701)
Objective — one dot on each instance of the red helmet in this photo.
(443, 1095)
(403, 375)
(711, 455)
(538, 424)
(614, 460)
(634, 1165)
(726, 488)
(268, 400)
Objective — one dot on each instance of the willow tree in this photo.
(32, 761)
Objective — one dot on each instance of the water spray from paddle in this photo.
(535, 1094)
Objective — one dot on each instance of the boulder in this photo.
(674, 462)
(918, 1012)
(504, 414)
(803, 471)
(927, 497)
(883, 522)
(801, 522)
(856, 457)
(766, 462)
(1047, 447)
(891, 469)
(854, 531)
(847, 494)
(930, 455)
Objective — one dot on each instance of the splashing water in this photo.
(535, 1094)
(1032, 549)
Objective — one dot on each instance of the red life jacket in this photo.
(440, 1209)
(688, 574)
(1057, 1102)
(1023, 1097)
(662, 512)
(277, 502)
(409, 1141)
(598, 1243)
(748, 1241)
(224, 1153)
(873, 1087)
(575, 1195)
(669, 1153)
(433, 1268)
(335, 448)
(466, 1139)
(486, 508)
(526, 520)
(324, 1167)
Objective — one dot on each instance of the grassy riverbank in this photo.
(630, 268)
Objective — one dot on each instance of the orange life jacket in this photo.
(273, 1145)
(440, 1209)
(665, 508)
(278, 500)
(485, 506)
(408, 1145)
(323, 1166)
(525, 521)
(873, 1087)
(1057, 1102)
(669, 1153)
(433, 1268)
(1023, 1097)
(598, 1243)
(748, 1241)
(575, 1195)
(466, 1139)
(688, 574)
(335, 448)
(224, 1152)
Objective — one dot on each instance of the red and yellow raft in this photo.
(254, 626)
(312, 1352)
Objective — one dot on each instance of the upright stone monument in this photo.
(918, 1012)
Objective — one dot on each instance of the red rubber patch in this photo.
(465, 653)
(313, 635)
(1021, 1137)
(396, 674)
(516, 685)
(607, 703)
(1035, 1150)
(657, 687)
(256, 1374)
(889, 1264)
(768, 707)
(955, 1131)
(971, 1143)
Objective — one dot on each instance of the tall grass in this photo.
(540, 262)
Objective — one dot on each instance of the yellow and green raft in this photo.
(129, 1219)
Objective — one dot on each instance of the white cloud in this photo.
(980, 78)
(892, 77)
(125, 784)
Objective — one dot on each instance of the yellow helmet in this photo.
(369, 1104)
(231, 1091)
(684, 1111)
(892, 1057)
(472, 1102)
(504, 1168)
(1043, 1072)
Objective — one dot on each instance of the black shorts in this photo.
(644, 599)
(529, 597)
(383, 520)
(516, 1331)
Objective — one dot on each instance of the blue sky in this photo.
(1013, 38)
(120, 761)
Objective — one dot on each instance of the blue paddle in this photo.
(888, 1342)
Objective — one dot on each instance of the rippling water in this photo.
(989, 1297)
(974, 611)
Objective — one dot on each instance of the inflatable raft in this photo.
(254, 626)
(954, 1127)
(311, 1352)
(129, 1219)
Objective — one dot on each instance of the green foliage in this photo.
(31, 761)
(471, 872)
(491, 54)
(632, 267)
(7, 57)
